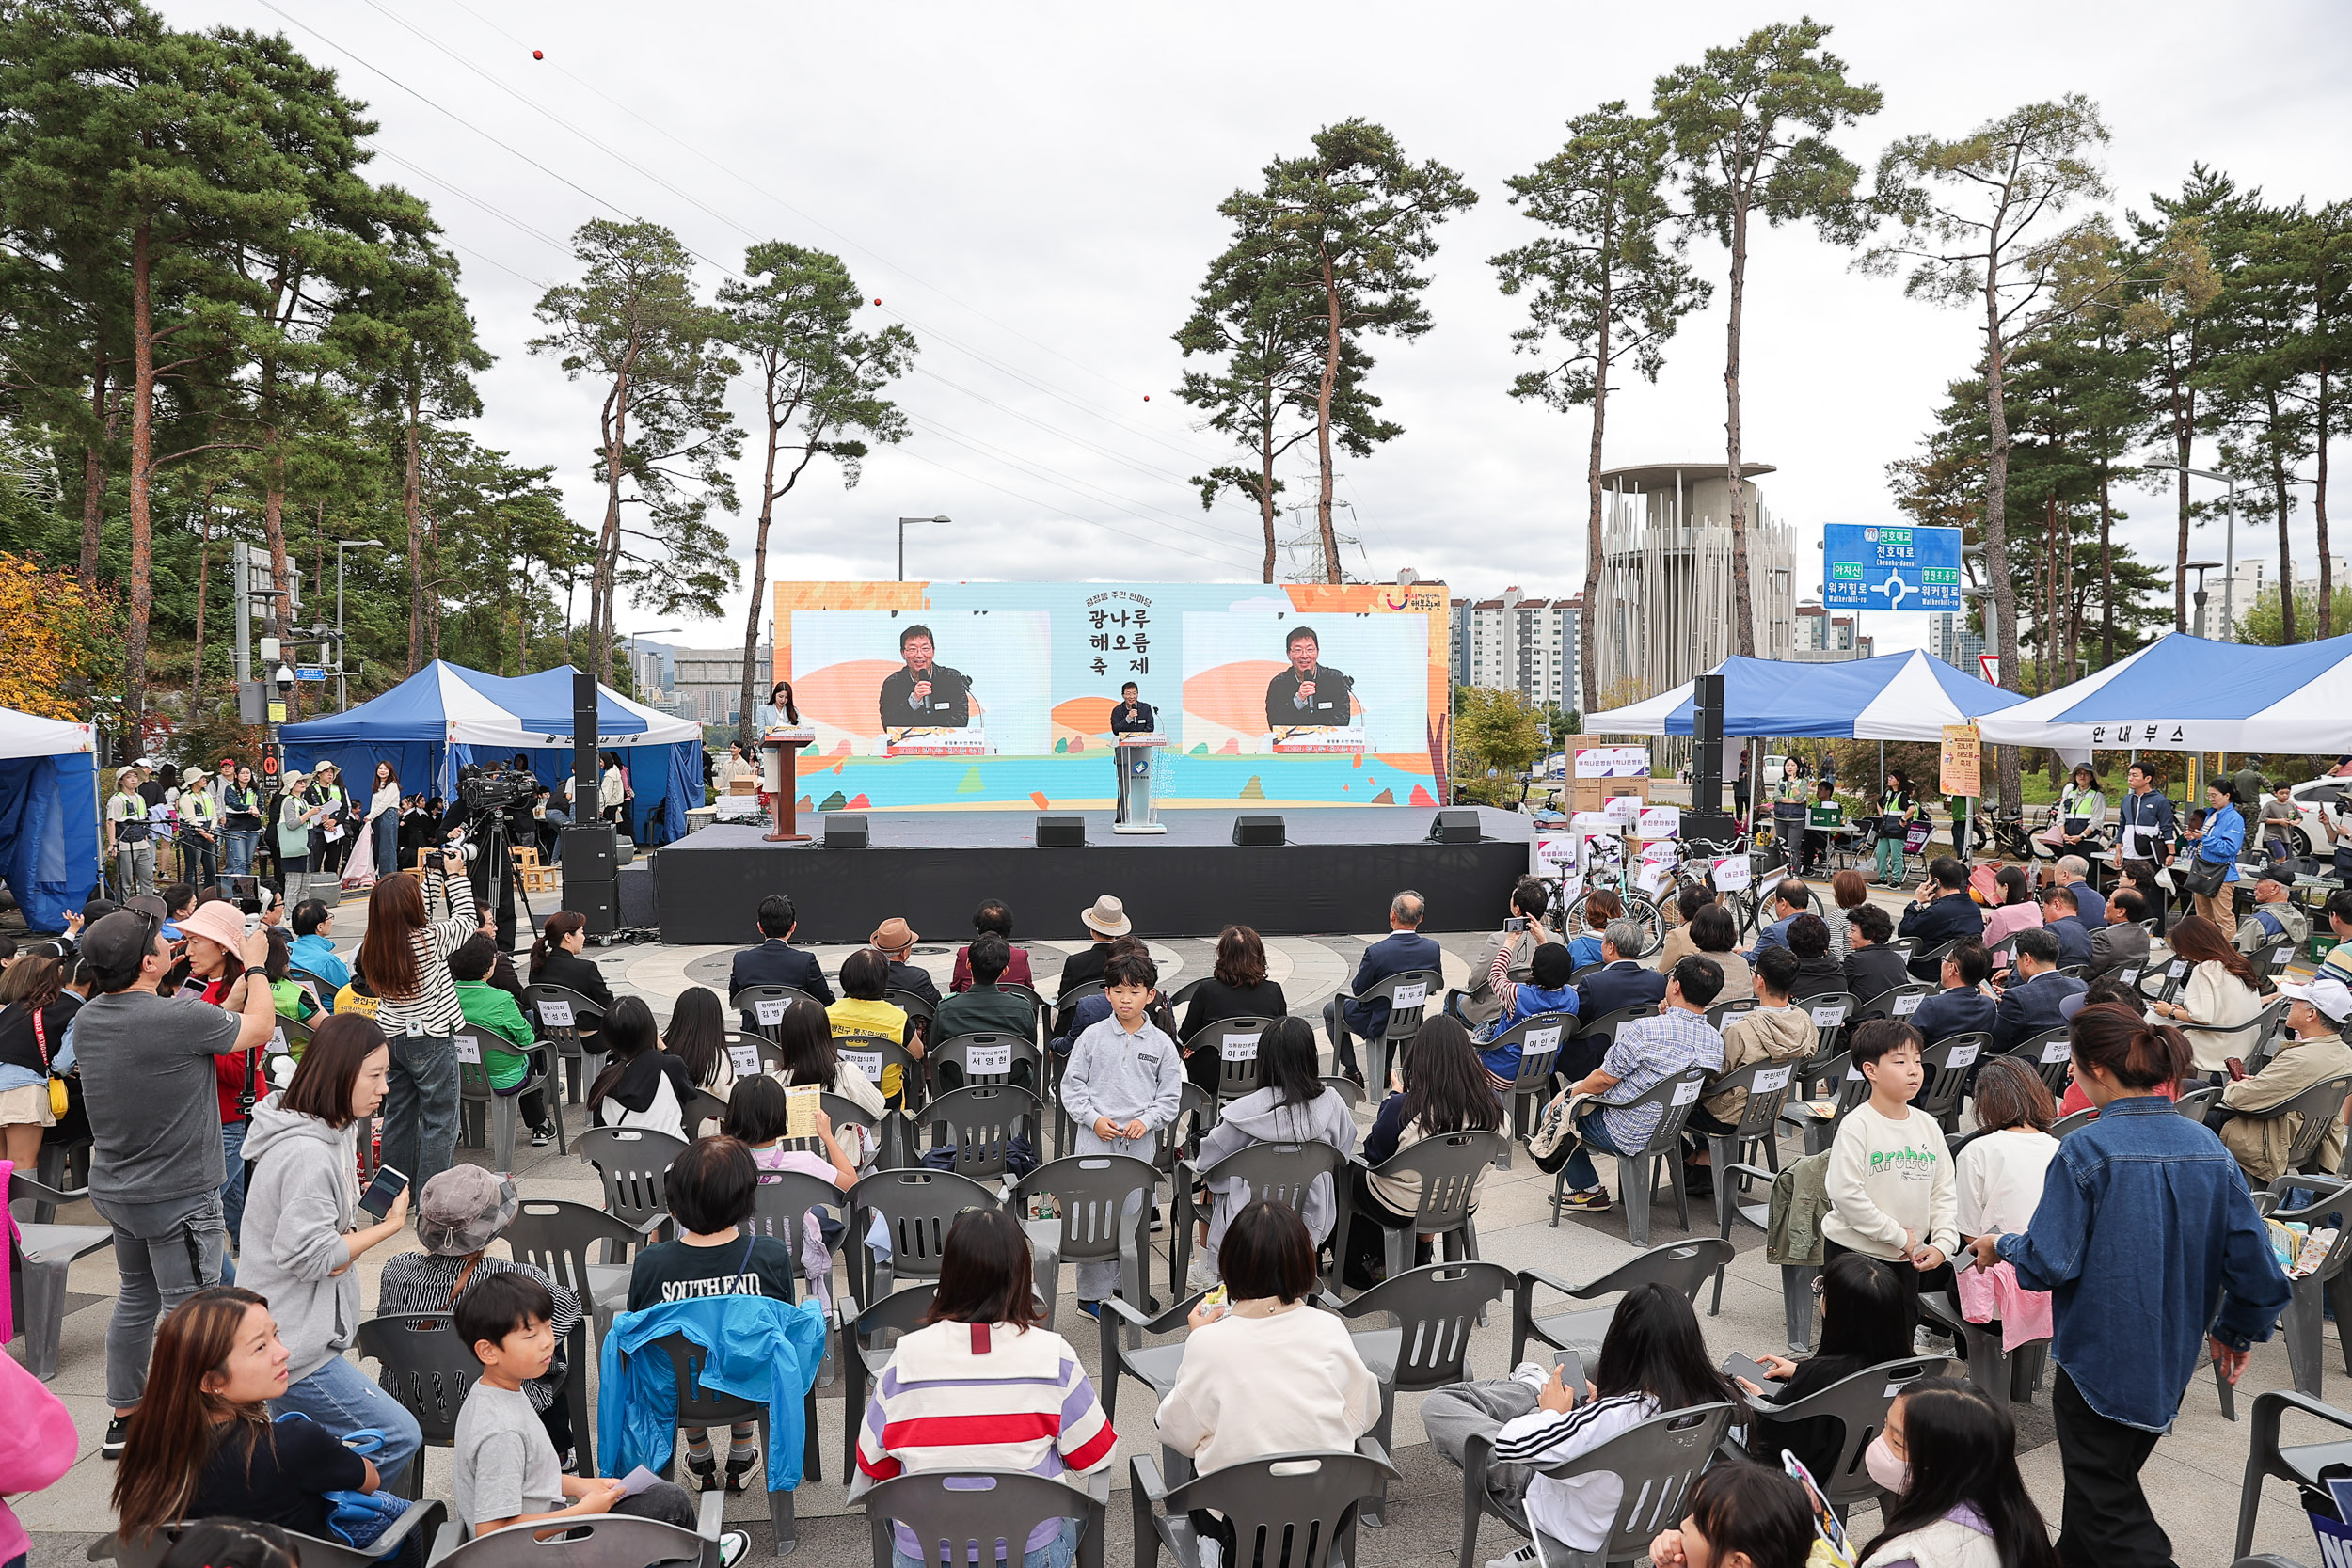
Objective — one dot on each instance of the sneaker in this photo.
(741, 1465)
(734, 1546)
(704, 1472)
(118, 1434)
(1596, 1202)
(1202, 1275)
(1533, 1374)
(1091, 1308)
(1524, 1557)
(542, 1136)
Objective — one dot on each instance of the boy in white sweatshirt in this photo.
(1891, 1191)
(1126, 1081)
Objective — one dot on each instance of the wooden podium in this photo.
(780, 776)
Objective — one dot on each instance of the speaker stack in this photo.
(1705, 818)
(592, 858)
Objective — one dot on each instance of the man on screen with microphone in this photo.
(1310, 691)
(924, 693)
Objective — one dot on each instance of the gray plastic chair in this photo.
(587, 1252)
(1106, 1204)
(1124, 1351)
(429, 1370)
(702, 1106)
(698, 1406)
(1683, 1266)
(1895, 1002)
(1859, 1404)
(1022, 1063)
(1235, 1042)
(417, 1524)
(36, 1282)
(2194, 1103)
(1450, 1166)
(1346, 1089)
(979, 1124)
(1831, 1012)
(1769, 1085)
(1594, 1035)
(2329, 1284)
(569, 1028)
(918, 1207)
(634, 1162)
(1659, 1462)
(1723, 1011)
(778, 1205)
(965, 1516)
(2298, 1464)
(1992, 1367)
(1279, 1173)
(2074, 1120)
(1434, 1311)
(1404, 1019)
(478, 1104)
(1637, 1172)
(1849, 1090)
(867, 1342)
(592, 1541)
(746, 1003)
(1540, 1039)
(1796, 1279)
(1948, 1066)
(1287, 1510)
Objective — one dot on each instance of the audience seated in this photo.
(642, 1084)
(759, 1118)
(1715, 934)
(1646, 1052)
(1791, 898)
(2222, 992)
(2073, 874)
(895, 940)
(1771, 1030)
(2060, 919)
(1849, 890)
(1621, 981)
(978, 1006)
(1949, 1455)
(2122, 942)
(1601, 905)
(1438, 1086)
(1266, 1373)
(1680, 943)
(776, 961)
(1087, 1011)
(1940, 912)
(697, 1036)
(1868, 1314)
(313, 946)
(556, 959)
(1546, 990)
(2314, 1053)
(982, 1385)
(1106, 919)
(1740, 1513)
(1818, 973)
(2273, 919)
(2029, 1003)
(2000, 1175)
(501, 1031)
(804, 1039)
(1237, 986)
(863, 1010)
(2104, 991)
(1529, 898)
(2018, 910)
(1962, 1007)
(1402, 950)
(992, 915)
(1872, 969)
(1292, 1105)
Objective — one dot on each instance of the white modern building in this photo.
(1665, 607)
(1513, 642)
(1828, 634)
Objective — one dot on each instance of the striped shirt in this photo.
(981, 1395)
(433, 1009)
(1576, 1511)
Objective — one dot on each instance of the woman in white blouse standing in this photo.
(384, 820)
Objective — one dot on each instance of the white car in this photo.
(2320, 805)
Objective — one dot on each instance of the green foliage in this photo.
(1496, 729)
(2264, 622)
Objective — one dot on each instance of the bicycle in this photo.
(1608, 871)
(1744, 904)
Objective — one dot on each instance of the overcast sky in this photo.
(1033, 190)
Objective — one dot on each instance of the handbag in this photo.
(359, 1518)
(58, 1104)
(2204, 878)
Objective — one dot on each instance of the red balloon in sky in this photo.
(538, 55)
(878, 299)
(1147, 397)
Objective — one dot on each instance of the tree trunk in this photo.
(1322, 429)
(1266, 474)
(1996, 517)
(412, 509)
(1742, 594)
(142, 480)
(2107, 572)
(94, 476)
(2184, 403)
(2286, 535)
(203, 579)
(600, 587)
(743, 730)
(2066, 591)
(2319, 513)
(432, 600)
(1593, 501)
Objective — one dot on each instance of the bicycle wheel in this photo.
(1641, 910)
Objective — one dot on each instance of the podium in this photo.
(1138, 760)
(780, 776)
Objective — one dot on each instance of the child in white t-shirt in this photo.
(1891, 1191)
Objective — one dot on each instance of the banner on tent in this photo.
(1961, 765)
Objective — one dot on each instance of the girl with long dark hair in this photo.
(384, 820)
(983, 1383)
(1439, 1085)
(201, 1444)
(35, 1009)
(2018, 909)
(2144, 1226)
(805, 1035)
(642, 1086)
(697, 1036)
(241, 802)
(1868, 1313)
(2222, 993)
(1292, 1105)
(1949, 1455)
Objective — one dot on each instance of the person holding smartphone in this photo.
(306, 1230)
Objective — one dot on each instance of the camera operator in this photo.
(481, 796)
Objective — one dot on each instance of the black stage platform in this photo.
(933, 868)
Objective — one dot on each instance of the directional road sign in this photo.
(1879, 566)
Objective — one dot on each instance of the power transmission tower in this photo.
(1304, 550)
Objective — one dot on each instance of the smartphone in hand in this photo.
(388, 1184)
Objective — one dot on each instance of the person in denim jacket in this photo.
(2147, 1240)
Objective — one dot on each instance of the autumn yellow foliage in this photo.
(50, 637)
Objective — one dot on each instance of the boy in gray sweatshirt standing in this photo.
(1123, 1084)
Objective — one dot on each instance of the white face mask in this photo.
(1885, 1468)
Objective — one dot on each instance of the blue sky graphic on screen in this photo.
(1882, 566)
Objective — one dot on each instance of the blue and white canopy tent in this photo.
(1907, 696)
(2183, 693)
(49, 843)
(444, 715)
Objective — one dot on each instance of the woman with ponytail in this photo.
(2145, 1226)
(556, 960)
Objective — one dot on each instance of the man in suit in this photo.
(2062, 916)
(1404, 948)
(2031, 1004)
(1132, 715)
(776, 961)
(1961, 1007)
(1790, 899)
(1310, 691)
(1620, 981)
(924, 692)
(1942, 912)
(2074, 875)
(2121, 943)
(1873, 968)
(1106, 918)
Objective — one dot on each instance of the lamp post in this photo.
(2201, 568)
(656, 632)
(343, 689)
(2228, 544)
(902, 541)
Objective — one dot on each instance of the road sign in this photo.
(309, 671)
(1877, 566)
(1988, 665)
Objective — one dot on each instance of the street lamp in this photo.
(342, 693)
(2201, 568)
(2229, 547)
(902, 541)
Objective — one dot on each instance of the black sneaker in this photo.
(741, 1465)
(118, 1433)
(542, 1136)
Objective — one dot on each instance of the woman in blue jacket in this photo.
(2218, 843)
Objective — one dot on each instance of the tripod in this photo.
(486, 829)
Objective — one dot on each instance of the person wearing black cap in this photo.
(155, 1160)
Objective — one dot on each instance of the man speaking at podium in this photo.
(1132, 715)
(1310, 691)
(922, 693)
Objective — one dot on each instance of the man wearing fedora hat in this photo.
(895, 940)
(1107, 919)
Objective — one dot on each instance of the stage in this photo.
(1337, 873)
